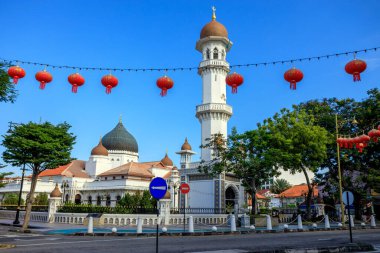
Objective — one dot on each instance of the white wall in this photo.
(201, 194)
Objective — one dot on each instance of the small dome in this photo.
(167, 161)
(99, 149)
(186, 145)
(214, 28)
(167, 195)
(120, 139)
(56, 193)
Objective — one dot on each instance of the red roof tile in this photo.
(298, 191)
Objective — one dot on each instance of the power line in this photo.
(9, 62)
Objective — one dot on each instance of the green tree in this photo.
(40, 147)
(3, 175)
(8, 92)
(41, 199)
(11, 199)
(280, 185)
(247, 156)
(360, 170)
(300, 145)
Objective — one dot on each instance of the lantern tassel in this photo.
(108, 89)
(357, 77)
(42, 85)
(293, 85)
(74, 89)
(15, 80)
(163, 92)
(234, 89)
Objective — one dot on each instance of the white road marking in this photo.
(48, 239)
(325, 239)
(20, 235)
(222, 251)
(88, 241)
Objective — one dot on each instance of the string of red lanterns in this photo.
(359, 142)
(293, 76)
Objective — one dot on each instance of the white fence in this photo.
(35, 216)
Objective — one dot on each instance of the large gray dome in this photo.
(120, 139)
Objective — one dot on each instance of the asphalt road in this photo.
(221, 243)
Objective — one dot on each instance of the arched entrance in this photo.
(231, 197)
(78, 199)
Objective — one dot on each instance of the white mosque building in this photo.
(113, 167)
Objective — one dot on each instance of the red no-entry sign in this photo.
(185, 188)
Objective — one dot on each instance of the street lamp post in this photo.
(339, 170)
(17, 221)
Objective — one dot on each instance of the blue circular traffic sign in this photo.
(158, 187)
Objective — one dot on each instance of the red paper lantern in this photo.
(16, 72)
(234, 80)
(75, 80)
(109, 81)
(349, 143)
(293, 76)
(165, 83)
(360, 146)
(340, 141)
(43, 77)
(355, 67)
(374, 134)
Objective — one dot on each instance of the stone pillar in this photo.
(55, 201)
(165, 204)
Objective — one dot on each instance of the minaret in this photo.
(213, 113)
(186, 152)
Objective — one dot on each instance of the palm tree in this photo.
(280, 185)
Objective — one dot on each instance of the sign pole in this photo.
(158, 213)
(184, 213)
(349, 215)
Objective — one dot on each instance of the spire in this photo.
(213, 13)
(120, 121)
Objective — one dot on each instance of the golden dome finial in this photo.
(213, 12)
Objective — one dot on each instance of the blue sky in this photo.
(138, 34)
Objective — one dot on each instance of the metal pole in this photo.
(158, 212)
(349, 215)
(184, 213)
(17, 221)
(339, 170)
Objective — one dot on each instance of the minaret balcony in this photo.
(214, 64)
(214, 108)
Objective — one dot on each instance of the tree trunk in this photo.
(309, 194)
(29, 201)
(253, 196)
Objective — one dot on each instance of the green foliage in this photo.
(8, 92)
(360, 170)
(41, 199)
(299, 144)
(246, 155)
(11, 199)
(39, 146)
(280, 185)
(143, 199)
(3, 175)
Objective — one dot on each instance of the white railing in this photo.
(34, 216)
(220, 63)
(214, 107)
(70, 218)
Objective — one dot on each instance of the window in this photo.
(216, 54)
(208, 54)
(223, 55)
(122, 177)
(99, 201)
(105, 178)
(117, 159)
(113, 178)
(118, 198)
(89, 200)
(108, 200)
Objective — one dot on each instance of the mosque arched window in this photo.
(223, 55)
(89, 199)
(118, 198)
(215, 54)
(99, 201)
(208, 54)
(108, 200)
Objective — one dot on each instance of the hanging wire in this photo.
(9, 62)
